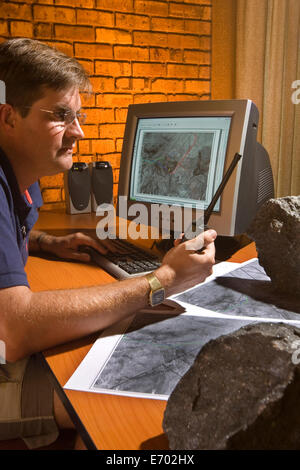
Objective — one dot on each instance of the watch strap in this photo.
(154, 282)
(157, 291)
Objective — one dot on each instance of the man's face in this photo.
(45, 143)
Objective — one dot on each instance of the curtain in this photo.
(267, 68)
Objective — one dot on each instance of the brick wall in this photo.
(134, 50)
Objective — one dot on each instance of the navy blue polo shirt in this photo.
(18, 214)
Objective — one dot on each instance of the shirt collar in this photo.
(22, 205)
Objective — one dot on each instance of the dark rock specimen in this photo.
(276, 232)
(242, 392)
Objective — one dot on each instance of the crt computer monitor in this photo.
(176, 154)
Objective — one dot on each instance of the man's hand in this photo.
(184, 267)
(68, 246)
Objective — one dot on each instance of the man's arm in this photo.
(31, 322)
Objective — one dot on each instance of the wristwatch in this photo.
(157, 292)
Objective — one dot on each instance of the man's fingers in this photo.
(202, 240)
(103, 247)
(178, 240)
(79, 256)
(209, 236)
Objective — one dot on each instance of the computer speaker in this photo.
(102, 184)
(78, 188)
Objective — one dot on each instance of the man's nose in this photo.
(74, 130)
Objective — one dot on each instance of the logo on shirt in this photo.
(2, 92)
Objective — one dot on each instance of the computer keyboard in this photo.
(128, 260)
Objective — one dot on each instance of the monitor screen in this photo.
(179, 160)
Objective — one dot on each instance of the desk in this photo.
(105, 422)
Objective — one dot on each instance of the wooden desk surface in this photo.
(105, 421)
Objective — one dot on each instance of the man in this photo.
(39, 126)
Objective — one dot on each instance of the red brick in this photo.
(167, 24)
(51, 195)
(197, 26)
(121, 115)
(58, 206)
(84, 33)
(139, 84)
(86, 158)
(87, 99)
(119, 144)
(190, 11)
(113, 36)
(101, 84)
(131, 53)
(85, 147)
(49, 2)
(205, 43)
(103, 146)
(75, 3)
(9, 10)
(149, 98)
(112, 68)
(116, 174)
(148, 69)
(197, 86)
(183, 41)
(168, 86)
(98, 115)
(111, 100)
(197, 57)
(3, 27)
(123, 83)
(152, 8)
(182, 70)
(90, 131)
(115, 190)
(64, 47)
(88, 65)
(93, 115)
(21, 28)
(176, 55)
(54, 14)
(52, 181)
(111, 130)
(106, 115)
(159, 54)
(95, 51)
(117, 5)
(141, 38)
(42, 30)
(132, 21)
(204, 72)
(94, 17)
(182, 97)
(199, 2)
(115, 160)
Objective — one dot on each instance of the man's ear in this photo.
(7, 117)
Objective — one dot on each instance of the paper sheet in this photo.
(147, 354)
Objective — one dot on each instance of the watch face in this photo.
(157, 297)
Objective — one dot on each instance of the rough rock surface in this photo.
(242, 392)
(276, 232)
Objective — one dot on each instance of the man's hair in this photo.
(28, 67)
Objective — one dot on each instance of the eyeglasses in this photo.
(64, 116)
